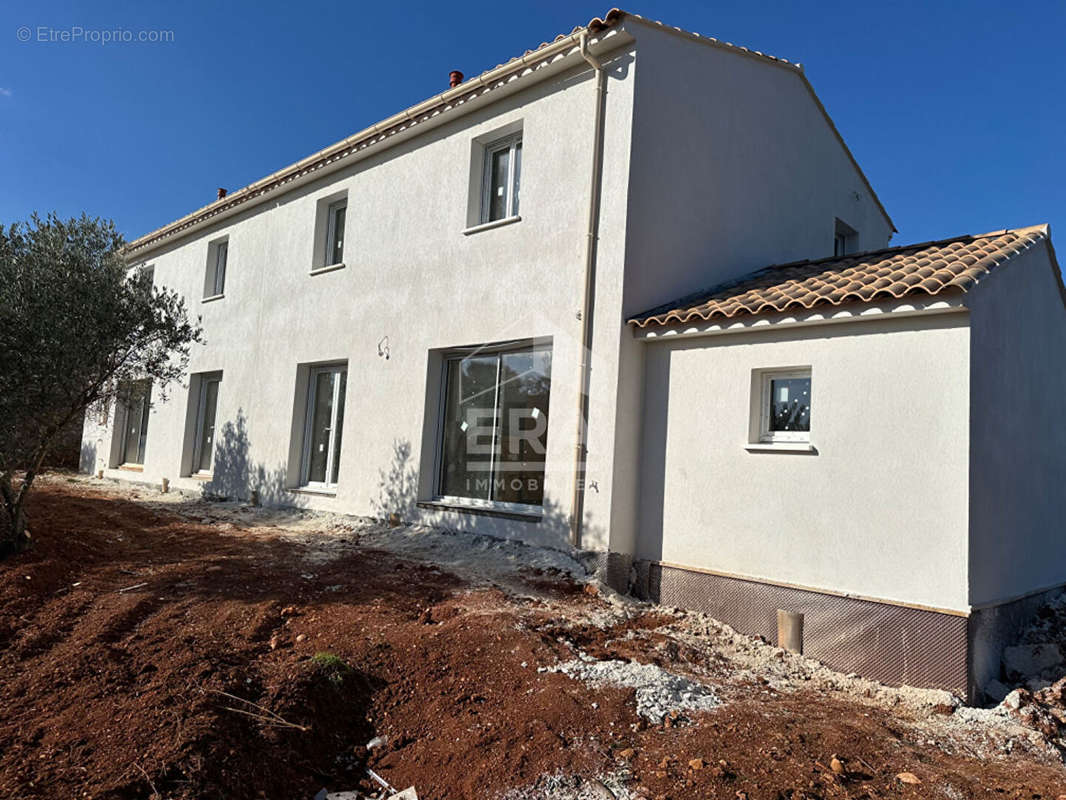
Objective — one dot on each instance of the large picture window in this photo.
(495, 425)
(135, 404)
(325, 420)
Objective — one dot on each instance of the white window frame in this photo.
(846, 238)
(476, 502)
(767, 436)
(305, 462)
(215, 249)
(840, 244)
(145, 417)
(331, 230)
(509, 143)
(201, 413)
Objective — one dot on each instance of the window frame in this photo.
(215, 249)
(509, 143)
(146, 410)
(309, 415)
(331, 232)
(766, 378)
(845, 238)
(840, 244)
(201, 415)
(499, 349)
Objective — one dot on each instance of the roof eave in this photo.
(606, 35)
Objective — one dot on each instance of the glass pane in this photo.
(343, 377)
(517, 176)
(321, 421)
(499, 166)
(469, 427)
(207, 427)
(136, 399)
(220, 267)
(790, 404)
(337, 254)
(525, 381)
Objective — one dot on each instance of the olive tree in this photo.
(76, 324)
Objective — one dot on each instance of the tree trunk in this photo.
(14, 538)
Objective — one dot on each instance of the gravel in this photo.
(659, 693)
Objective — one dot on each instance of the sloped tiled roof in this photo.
(918, 269)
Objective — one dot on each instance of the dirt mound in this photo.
(143, 651)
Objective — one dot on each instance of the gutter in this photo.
(577, 504)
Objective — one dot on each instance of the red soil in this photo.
(116, 694)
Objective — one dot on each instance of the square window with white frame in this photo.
(494, 428)
(320, 467)
(215, 278)
(501, 178)
(785, 406)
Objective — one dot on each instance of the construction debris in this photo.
(661, 695)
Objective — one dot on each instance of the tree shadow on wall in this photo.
(235, 476)
(398, 493)
(397, 484)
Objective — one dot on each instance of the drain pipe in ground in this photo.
(577, 505)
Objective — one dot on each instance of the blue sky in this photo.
(957, 112)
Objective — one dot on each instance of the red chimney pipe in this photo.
(455, 77)
(221, 192)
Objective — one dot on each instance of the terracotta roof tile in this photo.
(917, 269)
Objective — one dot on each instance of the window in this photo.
(335, 232)
(203, 449)
(143, 275)
(135, 402)
(495, 425)
(845, 239)
(502, 178)
(215, 280)
(322, 432)
(785, 406)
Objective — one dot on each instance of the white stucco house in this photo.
(537, 305)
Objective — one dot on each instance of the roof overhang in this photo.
(535, 66)
(911, 306)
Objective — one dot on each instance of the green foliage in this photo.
(75, 323)
(332, 666)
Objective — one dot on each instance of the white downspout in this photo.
(577, 505)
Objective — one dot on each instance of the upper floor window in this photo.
(335, 232)
(330, 225)
(215, 279)
(845, 239)
(502, 178)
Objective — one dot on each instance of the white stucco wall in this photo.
(737, 169)
(879, 511)
(734, 168)
(412, 275)
(1018, 453)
